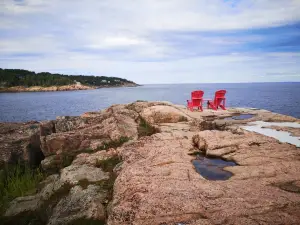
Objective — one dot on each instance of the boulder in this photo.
(92, 159)
(51, 163)
(199, 143)
(50, 187)
(23, 204)
(68, 123)
(73, 174)
(20, 142)
(75, 134)
(164, 114)
(47, 128)
(58, 143)
(85, 204)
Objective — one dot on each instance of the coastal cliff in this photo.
(51, 88)
(145, 163)
(74, 87)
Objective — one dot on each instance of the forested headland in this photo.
(25, 78)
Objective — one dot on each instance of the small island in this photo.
(17, 80)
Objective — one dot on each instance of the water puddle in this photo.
(212, 168)
(240, 117)
(283, 136)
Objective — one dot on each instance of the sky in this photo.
(154, 41)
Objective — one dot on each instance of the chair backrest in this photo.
(197, 97)
(197, 94)
(219, 96)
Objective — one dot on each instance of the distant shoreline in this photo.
(74, 87)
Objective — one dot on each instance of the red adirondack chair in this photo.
(219, 100)
(196, 100)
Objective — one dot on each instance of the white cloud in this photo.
(117, 41)
(218, 69)
(126, 38)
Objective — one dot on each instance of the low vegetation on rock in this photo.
(146, 129)
(109, 164)
(113, 143)
(17, 180)
(183, 119)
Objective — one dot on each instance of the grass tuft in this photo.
(41, 216)
(16, 181)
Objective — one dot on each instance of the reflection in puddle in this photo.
(212, 168)
(282, 136)
(240, 117)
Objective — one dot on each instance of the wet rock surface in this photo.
(156, 181)
(284, 132)
(293, 131)
(240, 117)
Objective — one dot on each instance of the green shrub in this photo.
(109, 164)
(17, 180)
(34, 126)
(113, 143)
(183, 119)
(146, 129)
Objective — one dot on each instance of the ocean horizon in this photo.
(279, 97)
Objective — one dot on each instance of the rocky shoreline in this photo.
(74, 87)
(132, 164)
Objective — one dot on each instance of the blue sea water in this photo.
(18, 107)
